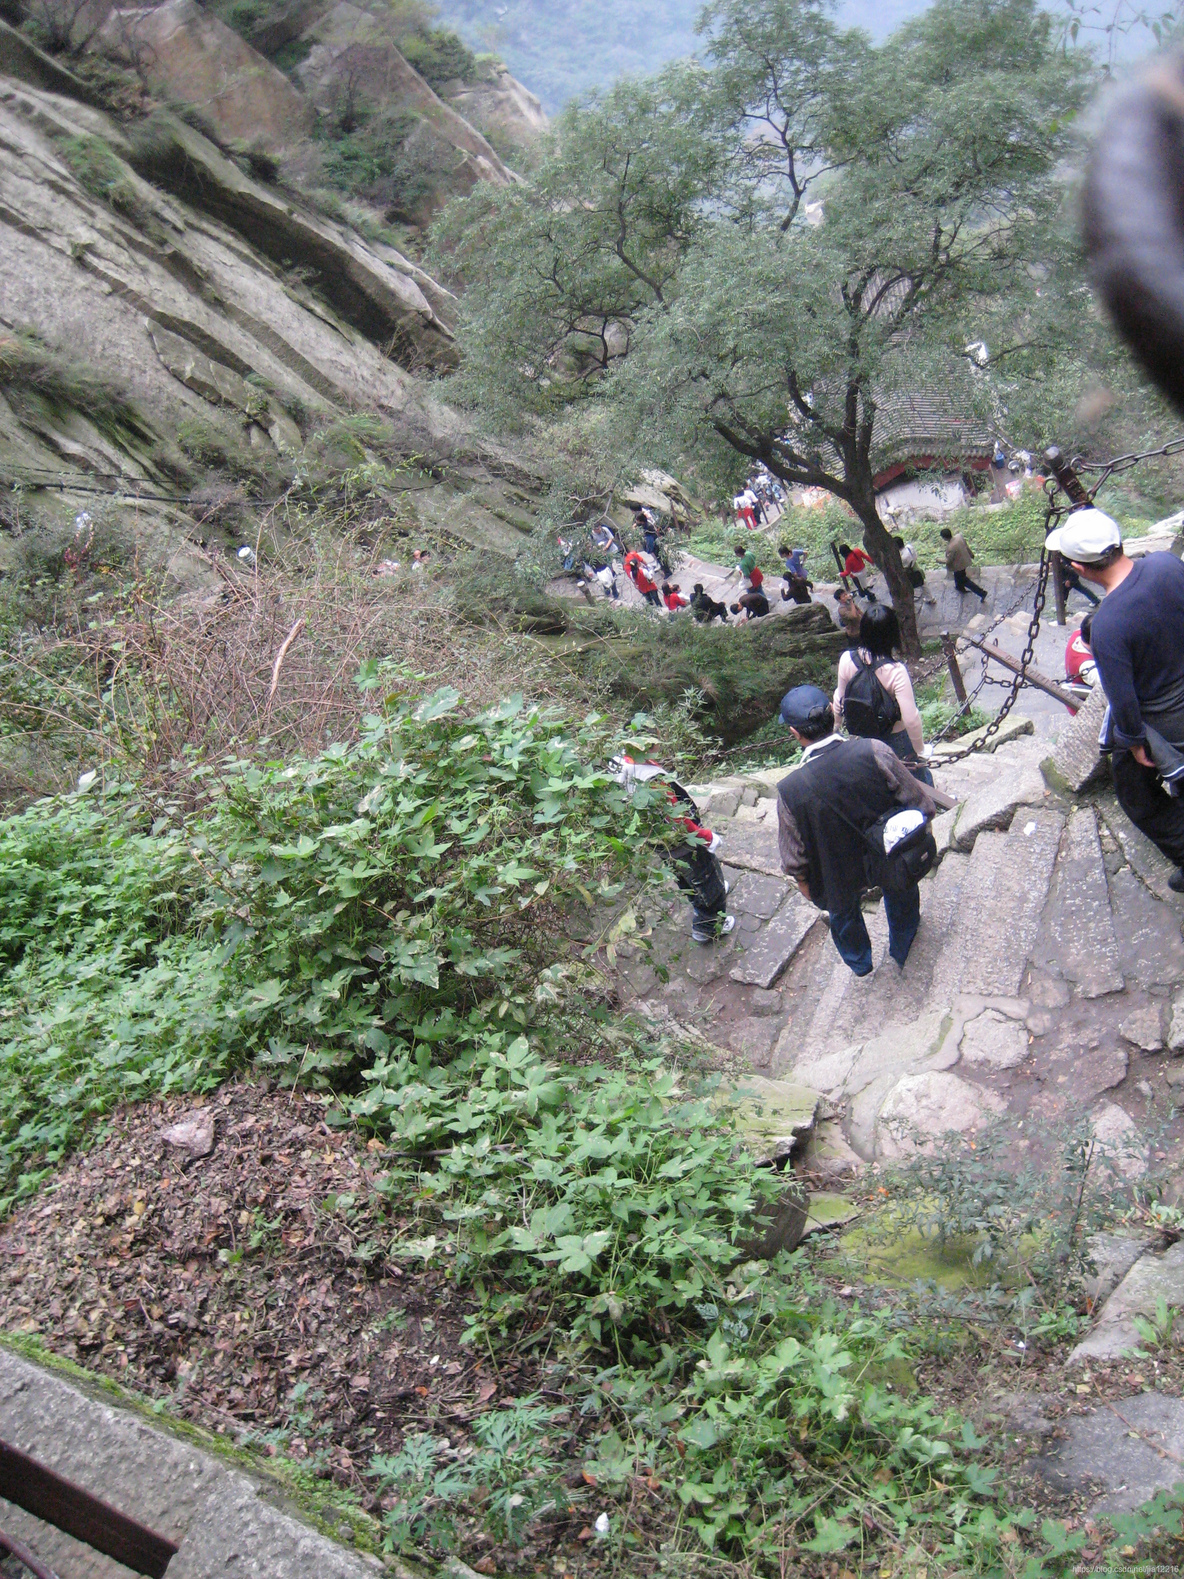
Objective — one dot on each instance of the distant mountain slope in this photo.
(564, 48)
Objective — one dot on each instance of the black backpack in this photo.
(909, 860)
(868, 709)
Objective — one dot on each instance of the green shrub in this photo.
(392, 158)
(99, 170)
(370, 897)
(439, 56)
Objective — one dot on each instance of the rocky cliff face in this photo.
(157, 305)
(185, 52)
(499, 106)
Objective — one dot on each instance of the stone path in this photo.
(1045, 988)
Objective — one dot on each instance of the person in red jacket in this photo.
(696, 866)
(855, 563)
(638, 572)
(673, 599)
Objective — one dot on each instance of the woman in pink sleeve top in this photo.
(879, 639)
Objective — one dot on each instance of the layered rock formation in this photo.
(149, 290)
(188, 54)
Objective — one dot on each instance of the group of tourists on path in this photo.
(855, 814)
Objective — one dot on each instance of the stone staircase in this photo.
(1043, 983)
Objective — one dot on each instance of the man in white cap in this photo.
(1137, 639)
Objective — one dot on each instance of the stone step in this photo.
(1076, 760)
(1145, 859)
(1010, 729)
(1017, 782)
(1000, 901)
(1077, 939)
(762, 957)
(222, 1520)
(844, 1009)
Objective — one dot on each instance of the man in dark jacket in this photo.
(824, 806)
(1137, 640)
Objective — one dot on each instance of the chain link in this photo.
(1054, 510)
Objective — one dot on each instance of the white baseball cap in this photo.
(1087, 535)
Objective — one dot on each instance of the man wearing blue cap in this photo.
(1137, 641)
(824, 808)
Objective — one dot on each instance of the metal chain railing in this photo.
(1064, 492)
(993, 728)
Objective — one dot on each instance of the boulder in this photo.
(190, 55)
(193, 1135)
(499, 107)
(773, 1115)
(1176, 1028)
(1119, 1141)
(828, 1153)
(1150, 1279)
(921, 1108)
(1144, 1028)
(994, 1041)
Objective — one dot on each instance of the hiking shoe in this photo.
(709, 934)
(1176, 881)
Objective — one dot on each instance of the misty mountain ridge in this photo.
(562, 49)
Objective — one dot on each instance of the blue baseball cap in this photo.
(805, 707)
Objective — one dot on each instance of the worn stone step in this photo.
(1017, 782)
(222, 1520)
(1146, 860)
(1012, 728)
(1076, 761)
(1151, 1278)
(844, 1009)
(1077, 939)
(763, 956)
(1001, 899)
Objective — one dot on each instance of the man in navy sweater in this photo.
(1137, 639)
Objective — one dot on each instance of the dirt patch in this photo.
(265, 1289)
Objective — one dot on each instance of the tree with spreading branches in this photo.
(761, 257)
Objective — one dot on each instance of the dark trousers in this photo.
(1074, 583)
(699, 874)
(964, 584)
(849, 931)
(652, 597)
(1153, 812)
(903, 746)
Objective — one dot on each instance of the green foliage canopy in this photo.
(759, 259)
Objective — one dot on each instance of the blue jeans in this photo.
(903, 746)
(850, 933)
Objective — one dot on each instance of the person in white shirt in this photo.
(879, 638)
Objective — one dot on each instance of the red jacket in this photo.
(855, 561)
(675, 600)
(636, 571)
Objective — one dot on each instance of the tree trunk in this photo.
(878, 541)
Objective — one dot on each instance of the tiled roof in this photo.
(909, 427)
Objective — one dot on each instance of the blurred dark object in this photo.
(1134, 220)
(58, 1501)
